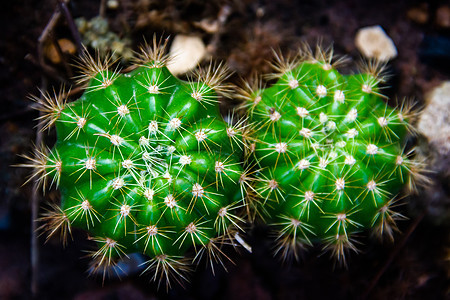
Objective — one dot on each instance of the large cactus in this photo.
(144, 163)
(330, 153)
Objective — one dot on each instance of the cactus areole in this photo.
(145, 163)
(330, 155)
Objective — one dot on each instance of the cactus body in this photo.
(145, 163)
(330, 155)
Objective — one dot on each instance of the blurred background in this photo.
(39, 41)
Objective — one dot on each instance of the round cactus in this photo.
(144, 163)
(329, 153)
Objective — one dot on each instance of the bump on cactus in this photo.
(144, 163)
(329, 152)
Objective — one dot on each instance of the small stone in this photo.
(373, 42)
(67, 47)
(434, 121)
(185, 53)
(443, 16)
(112, 4)
(418, 14)
(209, 25)
(434, 125)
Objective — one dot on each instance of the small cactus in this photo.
(144, 163)
(329, 152)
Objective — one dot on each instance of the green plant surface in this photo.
(329, 153)
(144, 163)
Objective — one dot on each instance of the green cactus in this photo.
(329, 153)
(144, 163)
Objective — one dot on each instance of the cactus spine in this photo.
(329, 151)
(144, 163)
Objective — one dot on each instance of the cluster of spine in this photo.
(144, 163)
(328, 154)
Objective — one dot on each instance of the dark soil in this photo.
(245, 40)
